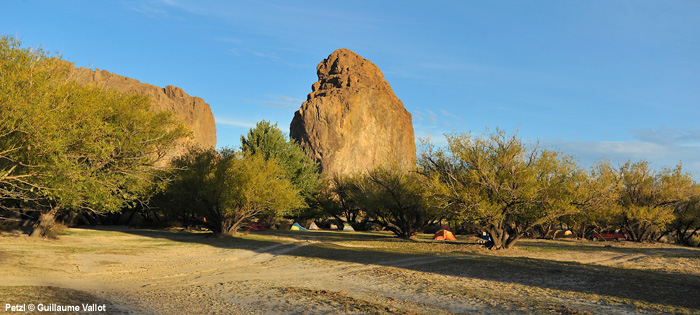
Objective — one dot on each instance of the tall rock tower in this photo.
(352, 121)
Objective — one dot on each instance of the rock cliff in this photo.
(193, 111)
(351, 120)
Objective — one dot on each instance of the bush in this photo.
(222, 190)
(398, 199)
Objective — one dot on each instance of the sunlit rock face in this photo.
(351, 120)
(193, 111)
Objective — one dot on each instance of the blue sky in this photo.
(595, 79)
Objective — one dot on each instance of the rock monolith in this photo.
(351, 120)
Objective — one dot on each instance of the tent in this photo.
(297, 227)
(553, 234)
(313, 226)
(347, 227)
(255, 227)
(444, 235)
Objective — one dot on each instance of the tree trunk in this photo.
(512, 240)
(497, 236)
(46, 223)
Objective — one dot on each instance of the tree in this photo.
(648, 199)
(337, 197)
(398, 199)
(24, 74)
(222, 190)
(78, 148)
(498, 183)
(270, 142)
(600, 188)
(686, 223)
(187, 196)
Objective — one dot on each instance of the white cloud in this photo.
(661, 155)
(448, 114)
(668, 135)
(146, 9)
(418, 115)
(234, 123)
(432, 117)
(278, 101)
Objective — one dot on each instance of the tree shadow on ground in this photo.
(652, 286)
(610, 246)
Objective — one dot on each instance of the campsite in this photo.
(341, 272)
(350, 157)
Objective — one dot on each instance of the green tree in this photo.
(224, 189)
(337, 198)
(270, 142)
(498, 183)
(600, 188)
(186, 196)
(78, 148)
(686, 223)
(398, 199)
(647, 199)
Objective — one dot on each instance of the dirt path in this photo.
(141, 273)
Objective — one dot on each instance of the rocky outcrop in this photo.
(193, 111)
(351, 120)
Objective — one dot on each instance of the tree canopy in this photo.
(270, 142)
(65, 146)
(502, 185)
(223, 190)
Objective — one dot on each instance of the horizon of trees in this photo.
(67, 149)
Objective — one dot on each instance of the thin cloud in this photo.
(659, 154)
(279, 102)
(234, 123)
(146, 9)
(432, 117)
(668, 135)
(418, 115)
(240, 49)
(446, 113)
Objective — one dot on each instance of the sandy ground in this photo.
(327, 273)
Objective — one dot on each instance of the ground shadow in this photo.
(610, 246)
(651, 286)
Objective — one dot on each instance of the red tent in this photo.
(255, 227)
(444, 235)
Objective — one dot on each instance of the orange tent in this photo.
(444, 235)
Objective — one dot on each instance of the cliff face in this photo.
(351, 120)
(193, 111)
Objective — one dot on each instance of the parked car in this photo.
(610, 235)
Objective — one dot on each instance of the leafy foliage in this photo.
(398, 199)
(599, 189)
(270, 142)
(647, 199)
(224, 189)
(686, 223)
(337, 198)
(498, 183)
(71, 147)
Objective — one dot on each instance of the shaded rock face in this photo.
(193, 111)
(351, 120)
